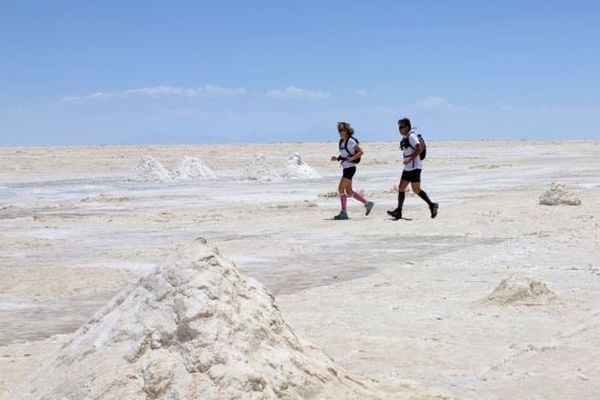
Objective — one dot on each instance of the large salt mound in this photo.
(259, 170)
(149, 170)
(192, 168)
(519, 290)
(296, 168)
(558, 194)
(194, 328)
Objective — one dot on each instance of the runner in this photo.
(349, 156)
(411, 149)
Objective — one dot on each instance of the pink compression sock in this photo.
(359, 197)
(344, 201)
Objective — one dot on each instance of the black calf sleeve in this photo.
(424, 196)
(400, 200)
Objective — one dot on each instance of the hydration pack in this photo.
(345, 147)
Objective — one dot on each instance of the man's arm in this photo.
(414, 155)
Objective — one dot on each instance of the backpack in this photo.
(406, 143)
(346, 148)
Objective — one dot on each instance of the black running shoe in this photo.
(396, 214)
(341, 216)
(368, 207)
(434, 209)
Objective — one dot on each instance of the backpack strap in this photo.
(346, 144)
(408, 141)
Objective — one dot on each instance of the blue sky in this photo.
(129, 72)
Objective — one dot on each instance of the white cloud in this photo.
(161, 91)
(292, 92)
(433, 102)
(436, 103)
(158, 91)
(362, 92)
(88, 97)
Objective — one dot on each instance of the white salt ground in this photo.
(418, 317)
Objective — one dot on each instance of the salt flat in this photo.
(404, 303)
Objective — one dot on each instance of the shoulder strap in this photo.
(408, 140)
(346, 144)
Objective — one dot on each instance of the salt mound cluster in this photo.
(558, 194)
(519, 290)
(259, 170)
(194, 328)
(149, 169)
(192, 168)
(296, 168)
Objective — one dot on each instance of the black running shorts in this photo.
(349, 172)
(412, 176)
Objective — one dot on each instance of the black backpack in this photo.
(406, 143)
(346, 148)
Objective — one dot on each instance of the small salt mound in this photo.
(192, 168)
(558, 194)
(194, 328)
(259, 170)
(328, 195)
(296, 168)
(519, 290)
(149, 170)
(105, 198)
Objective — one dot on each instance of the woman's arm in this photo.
(358, 152)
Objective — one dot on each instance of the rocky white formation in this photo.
(192, 168)
(558, 194)
(259, 170)
(194, 328)
(297, 168)
(520, 290)
(149, 170)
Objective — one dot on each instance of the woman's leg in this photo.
(355, 195)
(344, 188)
(348, 187)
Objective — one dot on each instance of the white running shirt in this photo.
(417, 163)
(352, 143)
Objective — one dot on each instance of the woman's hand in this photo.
(334, 158)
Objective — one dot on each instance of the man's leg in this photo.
(433, 207)
(397, 213)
